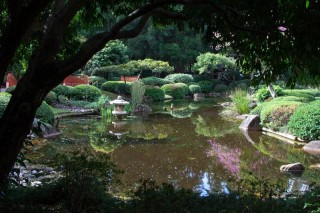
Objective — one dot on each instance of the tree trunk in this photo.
(272, 91)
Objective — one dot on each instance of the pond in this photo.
(190, 146)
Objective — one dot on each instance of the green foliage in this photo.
(242, 84)
(155, 93)
(86, 92)
(220, 88)
(305, 121)
(154, 81)
(276, 114)
(206, 86)
(4, 100)
(309, 95)
(295, 98)
(241, 101)
(51, 98)
(97, 81)
(115, 52)
(202, 77)
(177, 90)
(10, 89)
(195, 89)
(257, 110)
(263, 93)
(66, 91)
(137, 93)
(211, 63)
(179, 78)
(45, 113)
(118, 87)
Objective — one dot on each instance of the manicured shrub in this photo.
(179, 78)
(220, 88)
(215, 82)
(295, 98)
(154, 81)
(155, 93)
(276, 114)
(4, 100)
(206, 86)
(51, 98)
(123, 89)
(202, 77)
(305, 121)
(97, 81)
(177, 91)
(86, 92)
(257, 110)
(63, 90)
(195, 89)
(118, 87)
(263, 93)
(241, 101)
(307, 94)
(45, 113)
(10, 89)
(242, 84)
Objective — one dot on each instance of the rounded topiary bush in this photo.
(51, 98)
(195, 89)
(220, 88)
(206, 86)
(45, 113)
(305, 121)
(10, 89)
(155, 93)
(177, 91)
(118, 87)
(86, 93)
(66, 91)
(179, 78)
(215, 82)
(202, 77)
(123, 89)
(4, 100)
(97, 81)
(154, 81)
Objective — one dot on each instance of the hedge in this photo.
(154, 81)
(177, 90)
(86, 93)
(179, 78)
(66, 91)
(195, 89)
(220, 88)
(45, 113)
(155, 93)
(206, 86)
(118, 87)
(51, 98)
(4, 100)
(97, 81)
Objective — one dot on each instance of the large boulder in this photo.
(293, 169)
(251, 123)
(313, 147)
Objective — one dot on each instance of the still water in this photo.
(190, 146)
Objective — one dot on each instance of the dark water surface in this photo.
(190, 146)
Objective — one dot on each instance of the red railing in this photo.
(129, 78)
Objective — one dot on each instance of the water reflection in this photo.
(194, 148)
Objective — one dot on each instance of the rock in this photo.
(251, 123)
(252, 104)
(198, 96)
(295, 169)
(313, 147)
(226, 104)
(242, 117)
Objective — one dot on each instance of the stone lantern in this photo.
(119, 129)
(119, 105)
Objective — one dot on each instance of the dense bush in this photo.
(10, 89)
(118, 87)
(263, 93)
(97, 81)
(309, 95)
(276, 114)
(45, 113)
(220, 88)
(155, 93)
(242, 84)
(177, 91)
(179, 78)
(203, 77)
(86, 92)
(63, 90)
(154, 81)
(305, 121)
(4, 100)
(295, 98)
(206, 86)
(195, 89)
(51, 98)
(257, 110)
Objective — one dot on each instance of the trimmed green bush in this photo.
(154, 81)
(86, 93)
(155, 93)
(257, 110)
(295, 98)
(220, 88)
(305, 121)
(97, 81)
(66, 91)
(10, 89)
(118, 87)
(202, 77)
(123, 89)
(206, 86)
(45, 113)
(4, 100)
(309, 95)
(51, 98)
(177, 91)
(215, 82)
(179, 78)
(195, 89)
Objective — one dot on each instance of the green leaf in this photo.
(307, 3)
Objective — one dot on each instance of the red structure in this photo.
(129, 79)
(11, 80)
(73, 80)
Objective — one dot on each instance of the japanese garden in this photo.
(159, 106)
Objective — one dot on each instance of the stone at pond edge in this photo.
(198, 96)
(251, 123)
(313, 147)
(295, 169)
